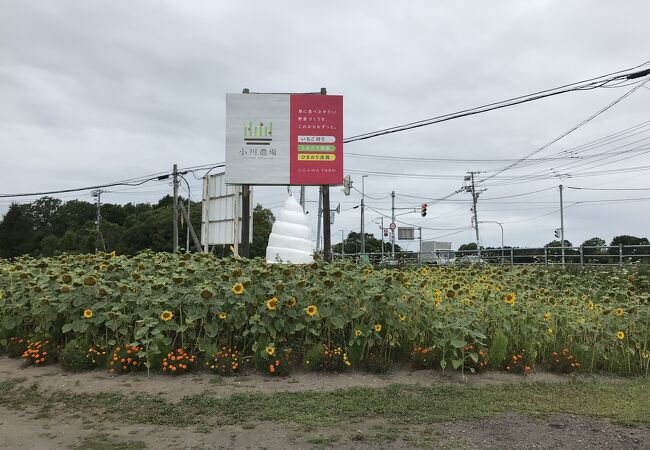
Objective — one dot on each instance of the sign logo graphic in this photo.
(260, 134)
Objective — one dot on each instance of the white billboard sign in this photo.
(257, 139)
(284, 139)
(221, 217)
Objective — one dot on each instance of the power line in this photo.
(592, 83)
(161, 176)
(569, 131)
(607, 189)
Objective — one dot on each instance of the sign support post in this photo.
(327, 237)
(245, 220)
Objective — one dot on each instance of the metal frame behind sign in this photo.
(222, 213)
(405, 234)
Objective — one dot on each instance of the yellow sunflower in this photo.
(620, 335)
(510, 298)
(547, 316)
(357, 333)
(291, 302)
(549, 330)
(88, 313)
(270, 350)
(222, 315)
(272, 304)
(311, 310)
(166, 315)
(378, 327)
(238, 289)
(402, 317)
(619, 312)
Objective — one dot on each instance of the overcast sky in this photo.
(94, 92)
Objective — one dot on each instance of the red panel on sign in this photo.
(316, 139)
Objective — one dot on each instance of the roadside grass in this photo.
(105, 442)
(623, 402)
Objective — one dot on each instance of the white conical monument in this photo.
(290, 239)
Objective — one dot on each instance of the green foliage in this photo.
(263, 220)
(313, 357)
(78, 356)
(324, 358)
(424, 358)
(352, 244)
(160, 301)
(224, 362)
(49, 227)
(375, 362)
(16, 347)
(466, 247)
(498, 348)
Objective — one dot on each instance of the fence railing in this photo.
(607, 255)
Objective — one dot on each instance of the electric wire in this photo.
(569, 131)
(592, 83)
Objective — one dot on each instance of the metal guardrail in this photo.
(606, 255)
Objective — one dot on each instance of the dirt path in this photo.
(22, 431)
(175, 388)
(29, 428)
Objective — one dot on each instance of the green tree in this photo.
(17, 232)
(466, 247)
(626, 241)
(594, 254)
(352, 244)
(263, 219)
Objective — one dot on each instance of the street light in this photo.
(363, 231)
(500, 225)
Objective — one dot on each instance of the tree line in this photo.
(49, 226)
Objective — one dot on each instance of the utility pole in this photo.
(342, 243)
(320, 215)
(302, 197)
(475, 195)
(382, 238)
(175, 209)
(363, 229)
(97, 193)
(562, 223)
(420, 251)
(392, 229)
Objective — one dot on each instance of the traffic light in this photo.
(423, 209)
(347, 184)
(385, 232)
(558, 233)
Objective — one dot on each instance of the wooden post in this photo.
(195, 238)
(327, 237)
(245, 220)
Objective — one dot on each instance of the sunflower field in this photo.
(465, 318)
